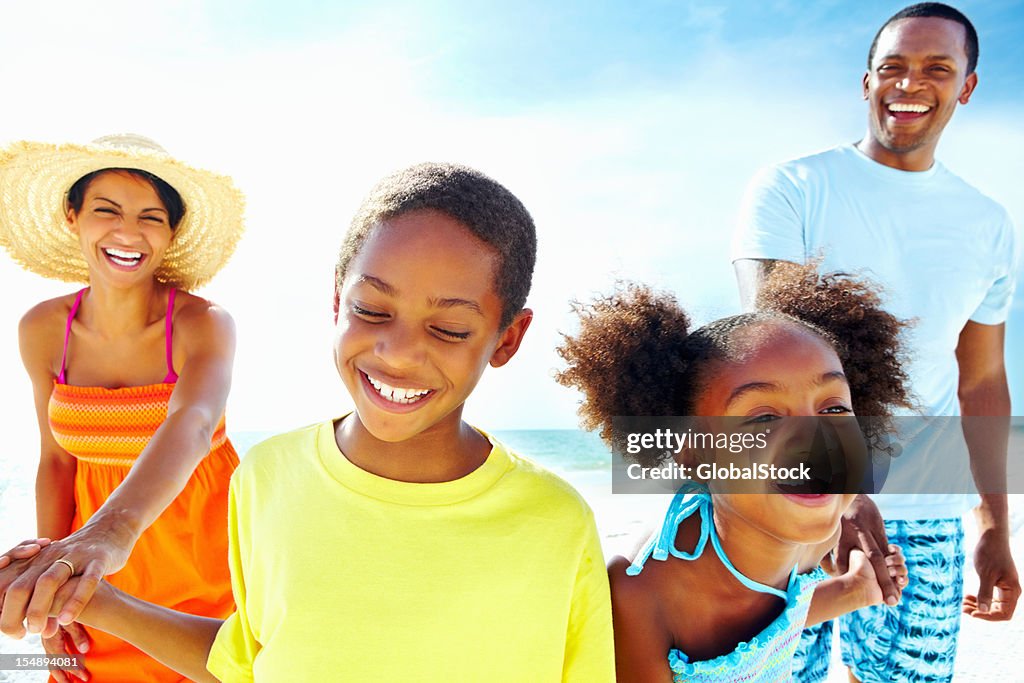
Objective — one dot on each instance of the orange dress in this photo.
(181, 560)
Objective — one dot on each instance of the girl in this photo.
(821, 346)
(130, 376)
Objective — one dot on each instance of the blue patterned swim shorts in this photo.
(914, 642)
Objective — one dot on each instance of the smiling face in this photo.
(418, 322)
(122, 227)
(917, 76)
(780, 370)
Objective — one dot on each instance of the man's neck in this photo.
(916, 160)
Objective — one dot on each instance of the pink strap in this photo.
(172, 376)
(67, 334)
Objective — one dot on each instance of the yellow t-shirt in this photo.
(341, 575)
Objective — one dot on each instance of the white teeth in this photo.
(397, 394)
(915, 108)
(124, 254)
(122, 257)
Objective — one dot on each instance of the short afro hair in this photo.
(940, 11)
(481, 204)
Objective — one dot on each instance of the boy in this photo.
(397, 542)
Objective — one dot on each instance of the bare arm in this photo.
(641, 647)
(856, 587)
(179, 641)
(834, 597)
(183, 440)
(55, 477)
(985, 405)
(750, 276)
(159, 474)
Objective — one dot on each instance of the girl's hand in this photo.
(28, 586)
(69, 640)
(861, 575)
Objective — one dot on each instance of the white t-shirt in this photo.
(942, 253)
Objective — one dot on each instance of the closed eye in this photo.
(451, 334)
(366, 313)
(760, 419)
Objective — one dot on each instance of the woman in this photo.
(130, 377)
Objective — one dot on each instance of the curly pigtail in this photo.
(626, 359)
(866, 337)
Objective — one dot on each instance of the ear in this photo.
(969, 85)
(688, 457)
(71, 218)
(864, 85)
(337, 296)
(511, 338)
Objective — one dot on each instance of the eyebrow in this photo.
(445, 302)
(109, 201)
(454, 302)
(378, 284)
(152, 208)
(772, 386)
(896, 55)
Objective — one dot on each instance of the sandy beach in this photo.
(986, 650)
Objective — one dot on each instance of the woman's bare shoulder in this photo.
(46, 315)
(189, 308)
(41, 329)
(201, 321)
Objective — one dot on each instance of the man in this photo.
(944, 254)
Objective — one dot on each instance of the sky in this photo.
(628, 129)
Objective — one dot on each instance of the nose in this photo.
(399, 346)
(799, 433)
(833, 447)
(912, 81)
(128, 229)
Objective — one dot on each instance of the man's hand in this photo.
(863, 529)
(861, 575)
(999, 587)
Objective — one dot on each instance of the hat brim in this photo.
(34, 181)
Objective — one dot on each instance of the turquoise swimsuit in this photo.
(768, 656)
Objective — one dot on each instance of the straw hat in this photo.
(34, 181)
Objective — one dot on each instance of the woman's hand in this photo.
(69, 640)
(28, 585)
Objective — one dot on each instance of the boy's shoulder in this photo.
(537, 481)
(288, 449)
